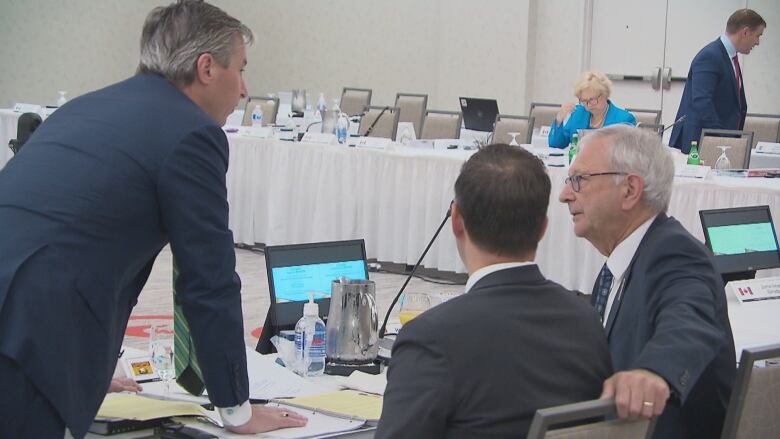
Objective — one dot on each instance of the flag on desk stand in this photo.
(188, 373)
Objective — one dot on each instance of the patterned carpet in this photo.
(155, 304)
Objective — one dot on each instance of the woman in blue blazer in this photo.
(594, 110)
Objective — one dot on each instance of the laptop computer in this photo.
(743, 239)
(296, 270)
(479, 114)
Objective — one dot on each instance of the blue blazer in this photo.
(672, 319)
(480, 365)
(710, 98)
(101, 187)
(560, 135)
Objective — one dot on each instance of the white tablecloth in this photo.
(285, 193)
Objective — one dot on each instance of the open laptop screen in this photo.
(296, 270)
(741, 238)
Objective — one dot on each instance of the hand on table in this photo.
(638, 393)
(269, 418)
(124, 385)
(564, 112)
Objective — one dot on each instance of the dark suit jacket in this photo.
(672, 319)
(710, 98)
(101, 187)
(480, 365)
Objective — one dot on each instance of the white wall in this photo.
(517, 51)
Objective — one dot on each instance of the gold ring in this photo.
(647, 404)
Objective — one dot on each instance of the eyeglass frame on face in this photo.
(589, 102)
(574, 181)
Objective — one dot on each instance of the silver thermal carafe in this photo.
(352, 338)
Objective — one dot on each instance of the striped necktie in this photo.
(600, 296)
(188, 373)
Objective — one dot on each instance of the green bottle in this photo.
(573, 147)
(693, 155)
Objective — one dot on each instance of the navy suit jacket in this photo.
(481, 364)
(101, 187)
(671, 318)
(710, 98)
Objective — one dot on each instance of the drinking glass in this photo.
(723, 162)
(514, 139)
(161, 351)
(412, 305)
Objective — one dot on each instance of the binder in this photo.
(109, 426)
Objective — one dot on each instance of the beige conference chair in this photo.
(546, 419)
(738, 154)
(646, 117)
(441, 125)
(379, 122)
(412, 107)
(354, 100)
(543, 114)
(765, 127)
(654, 127)
(505, 124)
(269, 105)
(754, 408)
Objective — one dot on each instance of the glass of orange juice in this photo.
(412, 305)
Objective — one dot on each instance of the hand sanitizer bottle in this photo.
(310, 341)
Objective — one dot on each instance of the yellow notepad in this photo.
(129, 406)
(346, 403)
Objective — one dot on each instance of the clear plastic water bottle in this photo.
(257, 116)
(342, 127)
(310, 341)
(321, 107)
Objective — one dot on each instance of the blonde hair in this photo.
(595, 81)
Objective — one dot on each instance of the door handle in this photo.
(656, 79)
(667, 78)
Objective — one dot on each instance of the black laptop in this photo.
(479, 114)
(296, 270)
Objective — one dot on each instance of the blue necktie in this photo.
(602, 291)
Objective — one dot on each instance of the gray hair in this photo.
(174, 36)
(639, 151)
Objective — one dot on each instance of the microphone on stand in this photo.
(681, 119)
(383, 329)
(373, 124)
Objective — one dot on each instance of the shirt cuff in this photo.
(236, 415)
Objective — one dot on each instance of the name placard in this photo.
(258, 132)
(320, 138)
(691, 171)
(372, 142)
(21, 107)
(768, 147)
(754, 290)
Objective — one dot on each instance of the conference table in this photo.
(286, 193)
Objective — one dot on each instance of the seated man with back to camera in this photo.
(481, 364)
(662, 301)
(595, 110)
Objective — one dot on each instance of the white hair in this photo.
(174, 36)
(640, 151)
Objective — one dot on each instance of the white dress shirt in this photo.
(488, 269)
(619, 260)
(731, 50)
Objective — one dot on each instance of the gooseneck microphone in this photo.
(383, 329)
(373, 124)
(682, 118)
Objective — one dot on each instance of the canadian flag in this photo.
(745, 291)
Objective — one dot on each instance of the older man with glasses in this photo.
(661, 300)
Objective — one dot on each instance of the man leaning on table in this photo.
(481, 364)
(101, 187)
(662, 301)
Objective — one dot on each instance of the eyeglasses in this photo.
(576, 179)
(591, 101)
